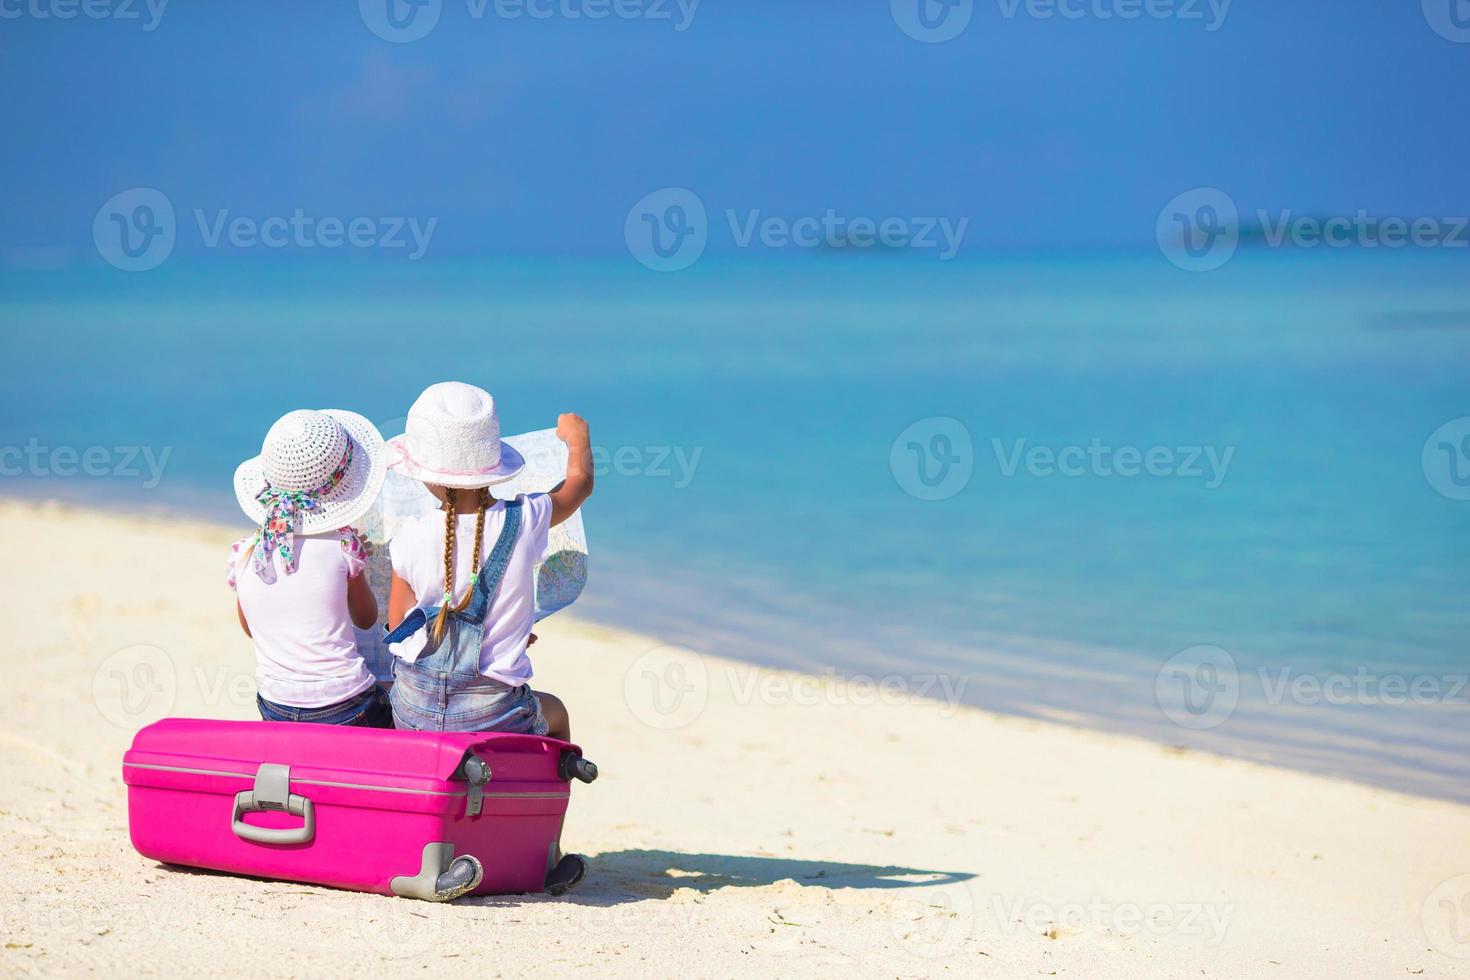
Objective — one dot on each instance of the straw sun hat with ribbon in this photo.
(317, 471)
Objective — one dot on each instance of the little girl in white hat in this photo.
(460, 610)
(299, 581)
(463, 596)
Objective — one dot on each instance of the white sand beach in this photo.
(750, 822)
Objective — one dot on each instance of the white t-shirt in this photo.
(417, 550)
(305, 650)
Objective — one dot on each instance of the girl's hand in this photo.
(571, 428)
(568, 495)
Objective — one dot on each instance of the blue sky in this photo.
(535, 136)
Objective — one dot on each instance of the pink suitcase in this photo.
(360, 808)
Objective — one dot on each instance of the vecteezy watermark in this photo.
(136, 230)
(148, 12)
(933, 458)
(936, 21)
(141, 683)
(1211, 13)
(302, 230)
(1200, 230)
(135, 685)
(667, 687)
(1446, 459)
(1284, 685)
(1450, 19)
(25, 920)
(676, 463)
(402, 21)
(393, 931)
(1445, 916)
(933, 922)
(752, 685)
(1209, 464)
(35, 459)
(837, 231)
(932, 21)
(669, 229)
(1097, 915)
(1198, 688)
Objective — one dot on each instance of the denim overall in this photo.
(444, 691)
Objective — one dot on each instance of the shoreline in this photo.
(1388, 747)
(745, 814)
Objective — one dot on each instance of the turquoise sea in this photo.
(755, 499)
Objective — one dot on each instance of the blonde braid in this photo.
(449, 529)
(475, 558)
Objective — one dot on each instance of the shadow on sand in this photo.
(617, 877)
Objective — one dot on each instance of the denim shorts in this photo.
(370, 709)
(435, 701)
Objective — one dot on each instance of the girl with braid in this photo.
(463, 593)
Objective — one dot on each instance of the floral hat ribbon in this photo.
(283, 509)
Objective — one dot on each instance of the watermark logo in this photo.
(680, 13)
(1450, 19)
(674, 463)
(35, 459)
(1199, 230)
(1099, 915)
(139, 925)
(1445, 916)
(932, 21)
(1211, 12)
(667, 231)
(933, 922)
(403, 21)
(832, 230)
(1198, 688)
(1446, 459)
(667, 688)
(306, 231)
(400, 21)
(751, 685)
(1208, 464)
(135, 686)
(150, 12)
(398, 931)
(135, 230)
(1283, 684)
(933, 459)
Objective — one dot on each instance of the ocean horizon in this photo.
(1221, 511)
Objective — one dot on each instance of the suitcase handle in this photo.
(297, 806)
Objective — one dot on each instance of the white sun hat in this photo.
(452, 439)
(328, 465)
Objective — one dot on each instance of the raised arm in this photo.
(572, 492)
